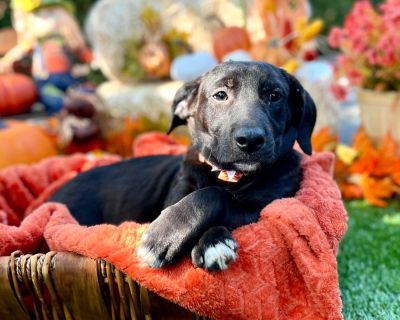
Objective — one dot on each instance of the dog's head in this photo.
(245, 115)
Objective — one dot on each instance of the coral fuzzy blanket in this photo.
(286, 266)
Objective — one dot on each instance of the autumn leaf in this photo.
(361, 141)
(396, 172)
(388, 158)
(368, 155)
(375, 172)
(350, 191)
(341, 170)
(366, 162)
(376, 190)
(346, 154)
(324, 140)
(388, 146)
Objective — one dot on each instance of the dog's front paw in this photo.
(215, 250)
(151, 252)
(163, 242)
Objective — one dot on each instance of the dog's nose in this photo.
(249, 139)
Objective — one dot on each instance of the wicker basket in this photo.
(68, 286)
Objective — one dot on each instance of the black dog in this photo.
(244, 118)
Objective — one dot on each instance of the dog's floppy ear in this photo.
(304, 113)
(184, 103)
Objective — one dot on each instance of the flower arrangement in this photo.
(370, 45)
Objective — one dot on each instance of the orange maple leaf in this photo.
(350, 190)
(341, 169)
(375, 172)
(375, 190)
(361, 141)
(324, 140)
(386, 164)
(396, 172)
(366, 162)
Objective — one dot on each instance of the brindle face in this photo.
(245, 115)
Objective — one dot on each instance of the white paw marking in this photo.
(145, 255)
(231, 244)
(221, 254)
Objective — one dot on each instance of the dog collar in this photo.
(224, 175)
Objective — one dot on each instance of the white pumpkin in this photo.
(190, 66)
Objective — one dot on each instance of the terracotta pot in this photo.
(380, 113)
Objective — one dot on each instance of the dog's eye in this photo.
(275, 96)
(220, 96)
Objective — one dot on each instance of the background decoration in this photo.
(370, 59)
(229, 39)
(17, 94)
(23, 143)
(363, 170)
(317, 78)
(150, 56)
(288, 33)
(49, 38)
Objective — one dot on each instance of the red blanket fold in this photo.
(286, 266)
(23, 188)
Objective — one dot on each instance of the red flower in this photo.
(339, 92)
(372, 57)
(335, 37)
(391, 12)
(370, 43)
(355, 77)
(310, 55)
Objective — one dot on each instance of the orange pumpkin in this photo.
(228, 39)
(17, 94)
(23, 143)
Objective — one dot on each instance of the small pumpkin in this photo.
(228, 39)
(17, 94)
(23, 143)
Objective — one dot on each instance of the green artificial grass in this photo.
(369, 262)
